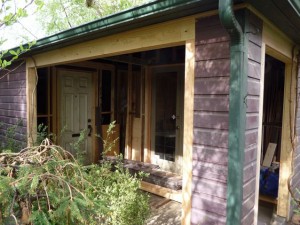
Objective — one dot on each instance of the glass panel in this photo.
(165, 114)
(105, 119)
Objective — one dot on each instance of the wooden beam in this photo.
(278, 44)
(95, 150)
(188, 131)
(127, 59)
(31, 84)
(171, 33)
(54, 100)
(147, 131)
(284, 198)
(162, 191)
(128, 138)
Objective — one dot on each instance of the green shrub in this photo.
(9, 143)
(46, 185)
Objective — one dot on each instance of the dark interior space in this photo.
(271, 133)
(113, 84)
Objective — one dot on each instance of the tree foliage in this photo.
(46, 185)
(11, 12)
(59, 15)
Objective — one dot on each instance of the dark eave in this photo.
(285, 14)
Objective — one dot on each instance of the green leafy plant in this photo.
(109, 142)
(46, 185)
(77, 146)
(9, 142)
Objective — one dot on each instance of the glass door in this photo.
(167, 115)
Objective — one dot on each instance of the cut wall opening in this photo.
(272, 128)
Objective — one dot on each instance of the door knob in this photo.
(90, 130)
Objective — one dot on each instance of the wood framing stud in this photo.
(31, 83)
(188, 131)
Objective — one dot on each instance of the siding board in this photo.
(206, 218)
(254, 52)
(210, 154)
(210, 203)
(212, 138)
(211, 120)
(211, 103)
(210, 171)
(211, 117)
(296, 160)
(13, 102)
(212, 68)
(211, 106)
(216, 86)
(253, 27)
(209, 187)
(218, 50)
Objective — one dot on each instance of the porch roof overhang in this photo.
(285, 14)
(148, 14)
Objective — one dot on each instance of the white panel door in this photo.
(76, 110)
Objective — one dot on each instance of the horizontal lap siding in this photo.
(211, 105)
(13, 102)
(254, 37)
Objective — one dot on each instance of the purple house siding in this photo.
(13, 102)
(253, 30)
(295, 183)
(211, 108)
(211, 118)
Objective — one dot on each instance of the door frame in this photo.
(180, 68)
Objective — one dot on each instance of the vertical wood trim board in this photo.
(280, 47)
(31, 83)
(147, 134)
(286, 153)
(128, 141)
(188, 131)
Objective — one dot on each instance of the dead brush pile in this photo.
(46, 185)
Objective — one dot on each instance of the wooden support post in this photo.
(31, 83)
(128, 141)
(284, 200)
(147, 132)
(54, 100)
(188, 132)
